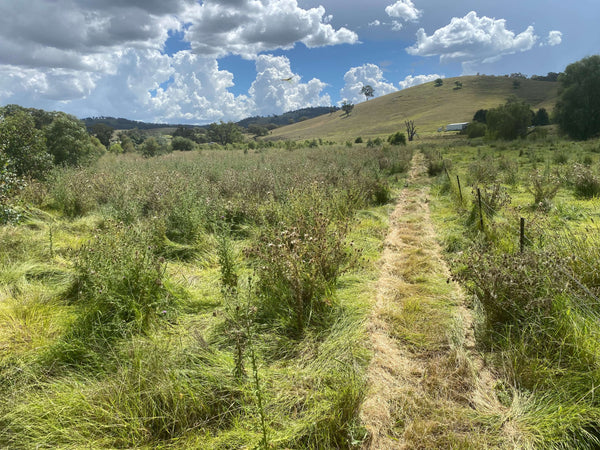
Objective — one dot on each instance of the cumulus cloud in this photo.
(357, 77)
(105, 57)
(271, 92)
(472, 39)
(554, 38)
(375, 23)
(248, 27)
(404, 9)
(410, 81)
(81, 35)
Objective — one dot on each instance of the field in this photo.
(243, 298)
(210, 299)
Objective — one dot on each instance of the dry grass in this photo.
(429, 106)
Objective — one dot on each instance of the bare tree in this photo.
(411, 129)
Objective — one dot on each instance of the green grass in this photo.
(537, 311)
(118, 328)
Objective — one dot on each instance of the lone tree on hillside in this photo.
(578, 108)
(438, 82)
(347, 107)
(411, 129)
(367, 91)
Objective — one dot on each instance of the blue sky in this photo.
(190, 61)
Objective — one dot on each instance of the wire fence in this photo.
(514, 224)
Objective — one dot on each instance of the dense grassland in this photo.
(537, 306)
(428, 105)
(211, 299)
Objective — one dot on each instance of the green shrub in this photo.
(182, 144)
(585, 182)
(543, 187)
(483, 171)
(397, 138)
(358, 140)
(475, 130)
(298, 260)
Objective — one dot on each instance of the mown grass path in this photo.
(428, 387)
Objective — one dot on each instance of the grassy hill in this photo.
(429, 106)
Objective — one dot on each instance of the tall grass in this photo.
(156, 339)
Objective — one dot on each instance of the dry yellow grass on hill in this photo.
(429, 106)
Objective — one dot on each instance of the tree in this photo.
(347, 107)
(509, 121)
(367, 91)
(541, 118)
(152, 147)
(69, 143)
(24, 145)
(578, 107)
(224, 133)
(457, 85)
(438, 82)
(411, 129)
(103, 132)
(480, 116)
(182, 144)
(257, 130)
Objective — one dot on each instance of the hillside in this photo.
(429, 106)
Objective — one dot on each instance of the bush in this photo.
(515, 289)
(476, 129)
(298, 260)
(543, 188)
(397, 138)
(358, 140)
(585, 182)
(182, 144)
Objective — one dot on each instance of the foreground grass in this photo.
(536, 310)
(135, 312)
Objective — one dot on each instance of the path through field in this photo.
(427, 386)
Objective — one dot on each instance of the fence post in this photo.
(480, 213)
(522, 236)
(459, 189)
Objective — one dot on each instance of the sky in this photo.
(198, 62)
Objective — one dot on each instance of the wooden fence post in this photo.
(522, 234)
(480, 212)
(459, 189)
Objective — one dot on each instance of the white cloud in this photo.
(404, 9)
(81, 35)
(272, 92)
(105, 57)
(472, 39)
(554, 38)
(410, 81)
(357, 77)
(248, 27)
(375, 23)
(396, 26)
